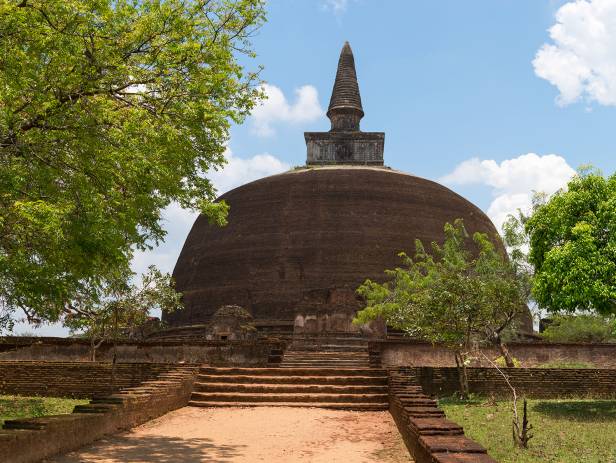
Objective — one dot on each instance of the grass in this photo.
(566, 431)
(12, 406)
(566, 364)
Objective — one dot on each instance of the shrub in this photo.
(500, 362)
(581, 328)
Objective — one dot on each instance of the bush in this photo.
(581, 328)
(500, 362)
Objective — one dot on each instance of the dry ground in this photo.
(267, 434)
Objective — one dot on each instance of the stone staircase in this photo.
(327, 351)
(319, 372)
(349, 389)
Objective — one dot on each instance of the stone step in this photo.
(288, 397)
(418, 402)
(289, 379)
(347, 353)
(293, 371)
(338, 340)
(326, 348)
(364, 406)
(291, 388)
(341, 336)
(295, 356)
(424, 412)
(329, 342)
(111, 399)
(435, 427)
(323, 364)
(324, 358)
(361, 357)
(93, 408)
(330, 366)
(334, 355)
(23, 424)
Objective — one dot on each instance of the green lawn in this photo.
(566, 430)
(12, 406)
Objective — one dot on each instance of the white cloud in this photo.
(177, 221)
(276, 108)
(581, 61)
(337, 6)
(239, 171)
(513, 180)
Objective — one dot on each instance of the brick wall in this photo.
(74, 379)
(396, 353)
(252, 353)
(531, 382)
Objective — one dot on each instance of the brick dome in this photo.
(305, 239)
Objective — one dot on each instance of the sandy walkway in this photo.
(195, 435)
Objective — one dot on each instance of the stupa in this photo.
(298, 244)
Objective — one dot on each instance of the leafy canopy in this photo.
(581, 328)
(460, 293)
(109, 111)
(573, 246)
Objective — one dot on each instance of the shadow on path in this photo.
(154, 449)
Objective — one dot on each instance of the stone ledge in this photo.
(428, 435)
(462, 458)
(29, 440)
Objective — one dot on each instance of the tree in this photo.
(123, 310)
(110, 110)
(462, 293)
(573, 246)
(581, 328)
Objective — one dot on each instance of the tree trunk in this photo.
(462, 375)
(92, 349)
(113, 361)
(504, 352)
(506, 355)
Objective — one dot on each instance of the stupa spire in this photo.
(345, 110)
(345, 143)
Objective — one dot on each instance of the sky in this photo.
(493, 99)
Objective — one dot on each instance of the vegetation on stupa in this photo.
(109, 112)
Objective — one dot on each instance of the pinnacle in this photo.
(345, 97)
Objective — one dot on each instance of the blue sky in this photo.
(493, 98)
(447, 81)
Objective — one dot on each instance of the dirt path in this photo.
(273, 435)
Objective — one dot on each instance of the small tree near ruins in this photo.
(123, 310)
(462, 294)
